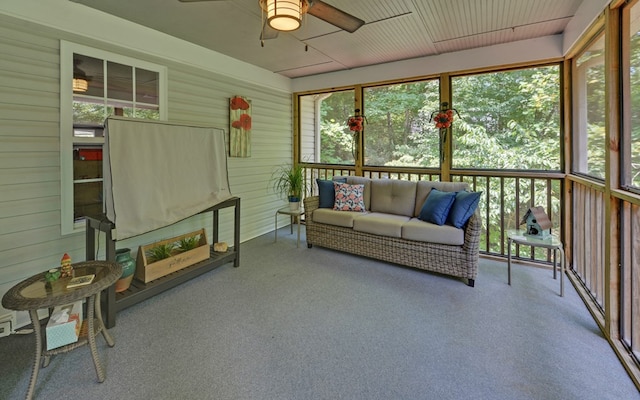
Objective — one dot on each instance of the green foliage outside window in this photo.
(337, 145)
(398, 131)
(510, 120)
(633, 164)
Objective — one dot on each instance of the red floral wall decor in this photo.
(240, 127)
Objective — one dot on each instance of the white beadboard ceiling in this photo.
(394, 30)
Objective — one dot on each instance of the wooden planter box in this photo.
(146, 271)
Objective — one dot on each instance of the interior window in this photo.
(97, 85)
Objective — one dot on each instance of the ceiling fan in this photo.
(285, 15)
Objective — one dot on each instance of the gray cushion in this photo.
(380, 224)
(393, 196)
(424, 187)
(416, 229)
(333, 217)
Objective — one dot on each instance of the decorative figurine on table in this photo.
(65, 266)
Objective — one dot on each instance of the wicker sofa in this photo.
(389, 229)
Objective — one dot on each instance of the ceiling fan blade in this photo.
(334, 16)
(268, 32)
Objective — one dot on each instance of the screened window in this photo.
(631, 98)
(324, 135)
(508, 120)
(588, 82)
(398, 131)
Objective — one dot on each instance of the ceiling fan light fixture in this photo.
(284, 15)
(80, 80)
(80, 85)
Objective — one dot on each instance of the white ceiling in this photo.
(394, 30)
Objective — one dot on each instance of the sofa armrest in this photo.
(310, 204)
(472, 233)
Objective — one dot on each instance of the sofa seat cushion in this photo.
(380, 224)
(422, 231)
(337, 218)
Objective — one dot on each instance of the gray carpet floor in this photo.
(298, 323)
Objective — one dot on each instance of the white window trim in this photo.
(67, 49)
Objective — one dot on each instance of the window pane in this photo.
(86, 112)
(632, 153)
(324, 135)
(87, 199)
(398, 131)
(589, 111)
(508, 120)
(119, 81)
(93, 69)
(140, 113)
(147, 86)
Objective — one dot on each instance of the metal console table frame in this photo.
(139, 291)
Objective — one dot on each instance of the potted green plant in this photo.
(288, 180)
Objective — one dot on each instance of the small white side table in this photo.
(295, 218)
(550, 242)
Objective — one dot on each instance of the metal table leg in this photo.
(298, 221)
(276, 226)
(509, 241)
(562, 267)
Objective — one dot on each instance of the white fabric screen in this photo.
(156, 173)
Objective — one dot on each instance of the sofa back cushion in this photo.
(424, 187)
(393, 196)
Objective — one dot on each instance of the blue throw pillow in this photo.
(464, 206)
(436, 207)
(326, 192)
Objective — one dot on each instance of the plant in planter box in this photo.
(289, 181)
(188, 243)
(161, 251)
(167, 256)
